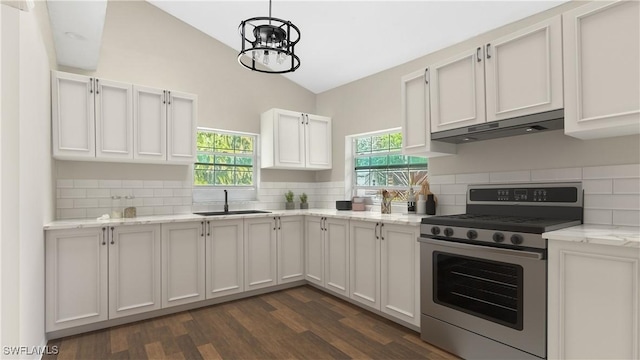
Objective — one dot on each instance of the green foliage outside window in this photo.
(224, 159)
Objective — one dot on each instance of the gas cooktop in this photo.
(535, 225)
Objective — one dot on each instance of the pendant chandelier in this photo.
(270, 42)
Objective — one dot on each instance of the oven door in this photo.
(494, 292)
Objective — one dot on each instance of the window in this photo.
(379, 164)
(225, 160)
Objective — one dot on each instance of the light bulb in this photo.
(280, 58)
(265, 59)
(256, 55)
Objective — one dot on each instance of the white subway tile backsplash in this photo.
(73, 213)
(163, 210)
(457, 189)
(557, 174)
(182, 192)
(121, 192)
(626, 217)
(172, 201)
(597, 186)
(162, 192)
(599, 217)
(479, 178)
(449, 209)
(187, 200)
(144, 211)
(68, 184)
(172, 184)
(99, 193)
(111, 184)
(626, 186)
(152, 201)
(614, 202)
(97, 212)
(510, 176)
(446, 200)
(105, 203)
(152, 184)
(442, 179)
(72, 193)
(461, 199)
(64, 204)
(87, 184)
(143, 193)
(182, 209)
(85, 203)
(611, 172)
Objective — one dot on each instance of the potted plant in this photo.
(289, 205)
(303, 201)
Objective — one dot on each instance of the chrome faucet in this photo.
(226, 202)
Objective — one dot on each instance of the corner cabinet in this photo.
(295, 141)
(416, 118)
(103, 120)
(594, 301)
(515, 75)
(601, 72)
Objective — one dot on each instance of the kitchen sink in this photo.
(236, 212)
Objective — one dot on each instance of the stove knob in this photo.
(516, 239)
(448, 232)
(498, 237)
(435, 230)
(472, 234)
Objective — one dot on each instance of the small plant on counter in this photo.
(289, 205)
(303, 201)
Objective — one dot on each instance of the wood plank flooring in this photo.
(298, 323)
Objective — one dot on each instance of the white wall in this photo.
(27, 193)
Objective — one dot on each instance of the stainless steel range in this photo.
(484, 273)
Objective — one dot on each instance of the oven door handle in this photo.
(486, 249)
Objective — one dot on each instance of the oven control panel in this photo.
(555, 194)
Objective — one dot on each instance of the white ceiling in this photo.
(342, 41)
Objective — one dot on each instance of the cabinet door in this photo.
(314, 249)
(457, 91)
(150, 123)
(400, 272)
(225, 254)
(289, 139)
(182, 121)
(601, 56)
(76, 278)
(183, 258)
(416, 118)
(594, 301)
(290, 249)
(259, 253)
(318, 142)
(365, 263)
(73, 116)
(524, 71)
(337, 255)
(134, 270)
(114, 119)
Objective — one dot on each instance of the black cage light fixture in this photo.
(271, 42)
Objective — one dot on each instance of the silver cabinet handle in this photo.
(112, 240)
(376, 231)
(381, 236)
(426, 75)
(104, 234)
(208, 228)
(478, 56)
(97, 86)
(488, 54)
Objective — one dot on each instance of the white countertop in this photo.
(399, 218)
(598, 234)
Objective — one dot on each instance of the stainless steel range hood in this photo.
(529, 124)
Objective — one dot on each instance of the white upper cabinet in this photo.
(103, 120)
(294, 140)
(182, 122)
(515, 75)
(523, 71)
(601, 73)
(416, 118)
(92, 118)
(150, 121)
(457, 91)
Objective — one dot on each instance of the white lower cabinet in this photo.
(134, 270)
(385, 268)
(290, 244)
(183, 263)
(327, 253)
(594, 301)
(225, 257)
(260, 267)
(76, 285)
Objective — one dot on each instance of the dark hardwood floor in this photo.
(298, 323)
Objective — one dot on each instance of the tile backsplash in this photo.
(612, 193)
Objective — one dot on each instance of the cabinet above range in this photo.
(295, 141)
(94, 119)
